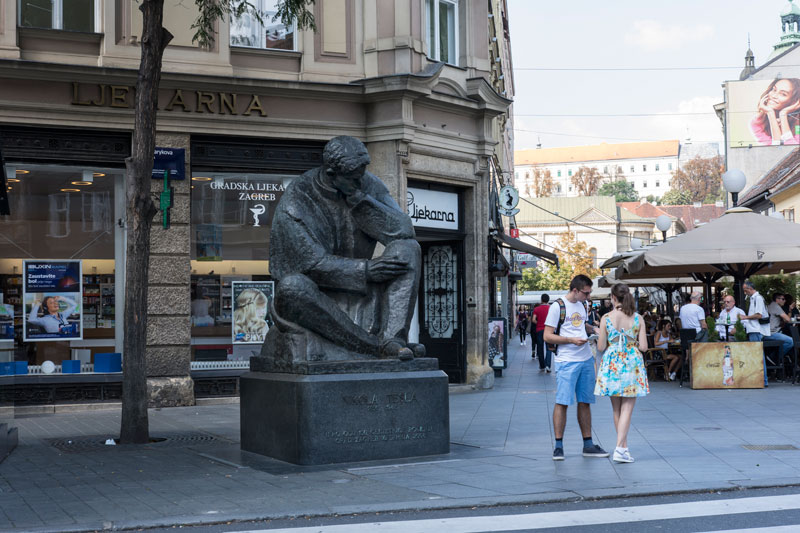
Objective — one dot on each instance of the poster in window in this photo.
(498, 342)
(52, 301)
(251, 321)
(6, 322)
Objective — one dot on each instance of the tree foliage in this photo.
(586, 181)
(574, 258)
(676, 197)
(622, 191)
(542, 183)
(701, 178)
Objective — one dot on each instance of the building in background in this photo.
(605, 227)
(647, 165)
(420, 82)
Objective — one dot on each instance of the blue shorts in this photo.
(575, 379)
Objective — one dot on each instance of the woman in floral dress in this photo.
(622, 374)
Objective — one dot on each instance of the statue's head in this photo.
(345, 159)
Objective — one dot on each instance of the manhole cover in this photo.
(766, 447)
(707, 428)
(80, 444)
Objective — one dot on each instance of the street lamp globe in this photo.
(734, 182)
(636, 243)
(663, 223)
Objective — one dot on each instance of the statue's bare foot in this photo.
(394, 349)
(418, 349)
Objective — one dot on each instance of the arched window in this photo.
(593, 253)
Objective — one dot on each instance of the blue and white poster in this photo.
(52, 297)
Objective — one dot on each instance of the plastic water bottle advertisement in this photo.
(52, 296)
(251, 301)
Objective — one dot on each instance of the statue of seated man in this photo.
(324, 233)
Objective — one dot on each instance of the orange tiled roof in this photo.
(597, 152)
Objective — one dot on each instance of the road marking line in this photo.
(584, 517)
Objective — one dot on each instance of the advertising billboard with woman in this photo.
(52, 296)
(498, 342)
(764, 112)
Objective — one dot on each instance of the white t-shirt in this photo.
(691, 315)
(574, 326)
(775, 320)
(757, 305)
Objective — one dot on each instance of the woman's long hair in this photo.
(247, 317)
(763, 120)
(622, 293)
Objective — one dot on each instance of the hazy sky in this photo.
(626, 34)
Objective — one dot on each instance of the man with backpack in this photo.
(566, 328)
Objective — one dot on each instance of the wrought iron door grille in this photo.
(441, 306)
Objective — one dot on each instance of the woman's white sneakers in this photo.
(622, 455)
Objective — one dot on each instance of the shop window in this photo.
(788, 214)
(247, 31)
(59, 214)
(442, 30)
(70, 15)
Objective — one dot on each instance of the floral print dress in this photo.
(622, 371)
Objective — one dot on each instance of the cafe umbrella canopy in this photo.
(739, 244)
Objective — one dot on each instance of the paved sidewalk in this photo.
(683, 440)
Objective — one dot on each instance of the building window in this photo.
(644, 168)
(593, 253)
(658, 183)
(657, 167)
(559, 173)
(442, 22)
(633, 169)
(569, 172)
(246, 31)
(788, 214)
(605, 170)
(70, 15)
(644, 184)
(558, 188)
(669, 166)
(570, 188)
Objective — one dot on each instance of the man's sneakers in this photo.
(547, 369)
(622, 455)
(594, 451)
(589, 451)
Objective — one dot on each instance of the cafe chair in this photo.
(687, 336)
(654, 358)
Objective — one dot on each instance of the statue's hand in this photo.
(380, 270)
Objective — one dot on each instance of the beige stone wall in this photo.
(168, 304)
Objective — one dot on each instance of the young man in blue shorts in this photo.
(574, 363)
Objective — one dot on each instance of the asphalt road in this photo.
(755, 511)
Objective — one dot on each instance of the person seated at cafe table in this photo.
(728, 317)
(693, 317)
(777, 318)
(661, 339)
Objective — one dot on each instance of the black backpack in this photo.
(562, 316)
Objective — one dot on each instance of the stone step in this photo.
(9, 438)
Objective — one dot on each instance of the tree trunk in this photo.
(140, 212)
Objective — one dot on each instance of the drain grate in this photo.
(767, 447)
(98, 442)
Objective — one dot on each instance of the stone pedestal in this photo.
(316, 419)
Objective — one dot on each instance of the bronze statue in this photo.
(333, 301)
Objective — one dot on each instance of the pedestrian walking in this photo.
(539, 316)
(522, 325)
(622, 375)
(566, 328)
